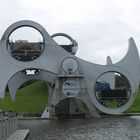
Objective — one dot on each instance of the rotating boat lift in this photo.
(68, 76)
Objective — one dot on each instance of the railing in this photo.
(7, 127)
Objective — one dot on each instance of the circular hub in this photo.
(70, 65)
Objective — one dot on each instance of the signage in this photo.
(70, 88)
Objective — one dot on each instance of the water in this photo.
(117, 128)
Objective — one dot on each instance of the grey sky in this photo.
(101, 27)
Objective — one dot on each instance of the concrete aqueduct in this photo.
(70, 78)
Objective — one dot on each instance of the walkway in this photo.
(19, 135)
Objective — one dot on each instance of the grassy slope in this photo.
(31, 99)
(135, 107)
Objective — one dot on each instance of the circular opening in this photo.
(70, 65)
(61, 40)
(65, 41)
(112, 90)
(25, 44)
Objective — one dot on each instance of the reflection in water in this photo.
(118, 128)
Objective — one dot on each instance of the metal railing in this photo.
(7, 127)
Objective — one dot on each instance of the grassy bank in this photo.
(135, 107)
(31, 99)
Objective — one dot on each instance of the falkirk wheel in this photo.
(68, 76)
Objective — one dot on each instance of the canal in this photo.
(109, 128)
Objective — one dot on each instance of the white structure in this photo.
(108, 77)
(56, 66)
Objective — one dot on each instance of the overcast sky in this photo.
(101, 27)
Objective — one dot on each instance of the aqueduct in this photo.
(69, 77)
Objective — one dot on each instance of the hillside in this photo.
(135, 107)
(31, 99)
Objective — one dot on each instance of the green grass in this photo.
(112, 105)
(31, 99)
(35, 88)
(135, 107)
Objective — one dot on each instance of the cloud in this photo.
(100, 27)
